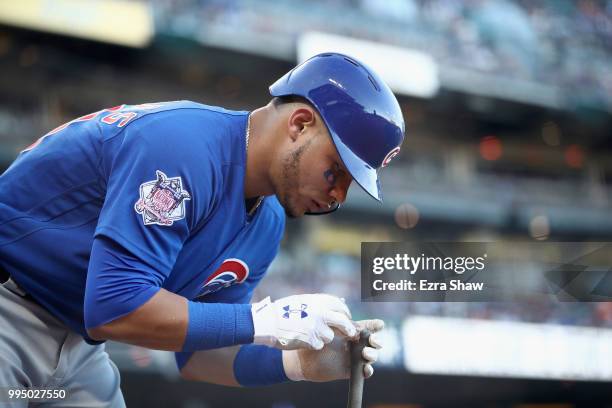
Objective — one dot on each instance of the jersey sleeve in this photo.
(117, 283)
(162, 181)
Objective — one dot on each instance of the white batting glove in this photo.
(300, 321)
(333, 362)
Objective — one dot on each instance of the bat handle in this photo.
(357, 363)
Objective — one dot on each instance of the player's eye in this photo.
(340, 173)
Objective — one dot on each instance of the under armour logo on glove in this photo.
(300, 311)
(301, 321)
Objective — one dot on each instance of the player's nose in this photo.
(339, 192)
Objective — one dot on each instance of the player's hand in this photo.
(333, 362)
(301, 321)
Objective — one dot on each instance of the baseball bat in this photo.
(357, 363)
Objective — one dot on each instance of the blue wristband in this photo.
(216, 325)
(257, 365)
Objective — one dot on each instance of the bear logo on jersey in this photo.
(162, 201)
(231, 272)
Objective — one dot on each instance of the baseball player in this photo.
(152, 224)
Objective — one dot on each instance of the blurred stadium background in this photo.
(508, 106)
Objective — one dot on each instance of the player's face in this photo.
(313, 175)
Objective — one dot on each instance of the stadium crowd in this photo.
(544, 41)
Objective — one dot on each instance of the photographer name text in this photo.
(425, 285)
(413, 264)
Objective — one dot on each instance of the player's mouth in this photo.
(317, 206)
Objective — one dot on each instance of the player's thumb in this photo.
(341, 322)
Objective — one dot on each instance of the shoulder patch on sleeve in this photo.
(162, 201)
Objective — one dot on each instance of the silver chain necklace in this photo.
(260, 198)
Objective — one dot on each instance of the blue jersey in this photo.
(162, 185)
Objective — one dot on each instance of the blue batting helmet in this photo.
(358, 108)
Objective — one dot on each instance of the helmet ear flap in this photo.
(360, 111)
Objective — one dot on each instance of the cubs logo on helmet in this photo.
(231, 271)
(390, 156)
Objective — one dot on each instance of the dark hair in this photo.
(281, 100)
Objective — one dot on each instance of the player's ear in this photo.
(300, 119)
